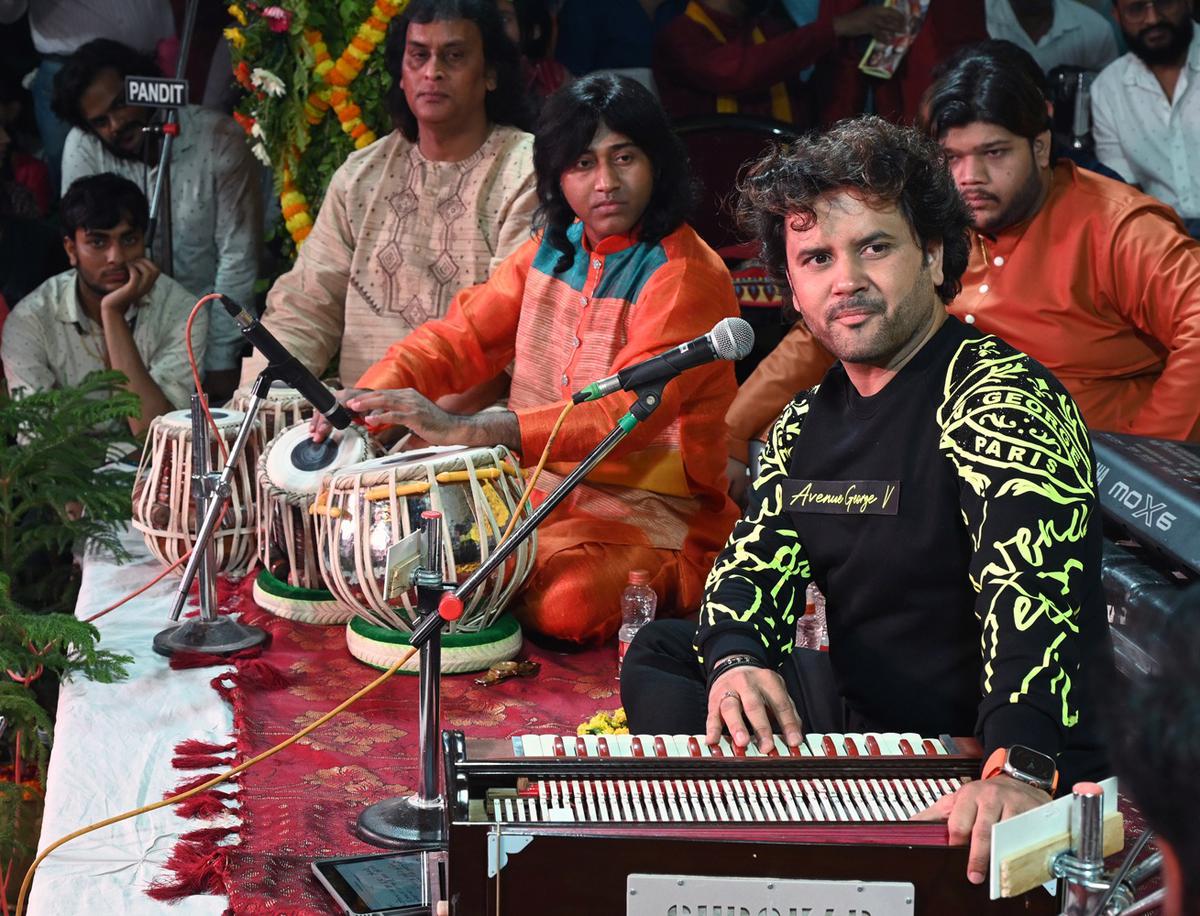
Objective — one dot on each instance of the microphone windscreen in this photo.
(732, 338)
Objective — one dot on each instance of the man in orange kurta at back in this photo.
(1094, 279)
(614, 278)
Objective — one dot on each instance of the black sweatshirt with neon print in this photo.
(951, 522)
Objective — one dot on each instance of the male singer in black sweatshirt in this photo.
(938, 486)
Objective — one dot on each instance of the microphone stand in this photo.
(209, 632)
(160, 198)
(417, 818)
(405, 821)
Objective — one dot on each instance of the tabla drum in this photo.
(163, 508)
(364, 509)
(290, 473)
(282, 408)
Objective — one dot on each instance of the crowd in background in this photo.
(794, 61)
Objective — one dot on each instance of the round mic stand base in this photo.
(210, 633)
(399, 822)
(419, 818)
(222, 636)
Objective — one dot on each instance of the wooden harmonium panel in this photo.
(576, 818)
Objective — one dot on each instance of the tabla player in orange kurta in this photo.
(614, 277)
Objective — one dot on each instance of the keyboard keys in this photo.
(754, 795)
(856, 745)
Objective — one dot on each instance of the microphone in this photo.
(730, 338)
(286, 366)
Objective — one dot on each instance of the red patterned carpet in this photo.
(302, 803)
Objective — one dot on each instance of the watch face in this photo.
(1033, 763)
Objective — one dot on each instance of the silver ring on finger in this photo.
(731, 695)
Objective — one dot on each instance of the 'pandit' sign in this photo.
(155, 92)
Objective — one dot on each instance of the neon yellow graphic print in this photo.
(764, 565)
(1021, 451)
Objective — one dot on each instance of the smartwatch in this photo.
(1024, 764)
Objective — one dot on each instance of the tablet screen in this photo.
(382, 882)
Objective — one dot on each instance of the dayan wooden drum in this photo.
(290, 473)
(282, 408)
(366, 508)
(163, 508)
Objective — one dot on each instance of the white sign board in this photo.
(155, 92)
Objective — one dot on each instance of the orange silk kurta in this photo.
(664, 486)
(1101, 286)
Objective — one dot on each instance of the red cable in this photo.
(132, 595)
(196, 372)
(220, 443)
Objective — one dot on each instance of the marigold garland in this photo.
(336, 77)
(605, 723)
(350, 116)
(296, 216)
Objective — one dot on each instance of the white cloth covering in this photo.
(112, 752)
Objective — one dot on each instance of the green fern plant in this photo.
(53, 500)
(51, 445)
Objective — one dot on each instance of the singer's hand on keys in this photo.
(748, 699)
(318, 427)
(971, 811)
(143, 273)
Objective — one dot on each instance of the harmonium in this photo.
(603, 825)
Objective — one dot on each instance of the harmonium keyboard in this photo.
(568, 824)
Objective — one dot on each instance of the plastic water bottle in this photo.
(638, 603)
(811, 630)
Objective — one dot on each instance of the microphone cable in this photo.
(191, 353)
(27, 882)
(215, 781)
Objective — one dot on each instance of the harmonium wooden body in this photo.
(577, 825)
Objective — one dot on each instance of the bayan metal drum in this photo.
(163, 508)
(290, 473)
(364, 509)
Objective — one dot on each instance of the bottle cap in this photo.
(639, 577)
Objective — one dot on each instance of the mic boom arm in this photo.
(730, 338)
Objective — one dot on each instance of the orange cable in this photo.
(537, 472)
(134, 594)
(196, 372)
(216, 780)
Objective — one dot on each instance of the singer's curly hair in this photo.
(867, 156)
